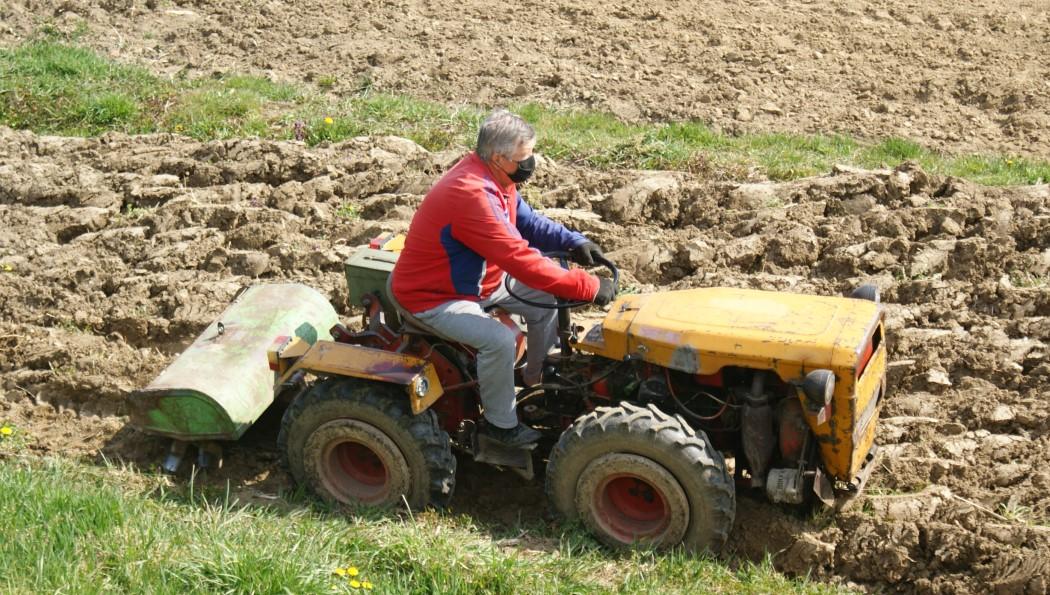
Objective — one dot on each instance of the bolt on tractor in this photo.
(640, 411)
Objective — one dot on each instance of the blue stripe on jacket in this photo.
(466, 266)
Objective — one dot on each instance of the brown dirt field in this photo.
(100, 298)
(959, 76)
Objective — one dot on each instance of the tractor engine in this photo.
(789, 385)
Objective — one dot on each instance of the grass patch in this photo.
(55, 88)
(76, 528)
(52, 87)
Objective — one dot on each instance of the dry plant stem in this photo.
(984, 509)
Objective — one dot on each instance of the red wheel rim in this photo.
(357, 470)
(631, 507)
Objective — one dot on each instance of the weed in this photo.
(365, 84)
(1027, 280)
(65, 372)
(1015, 512)
(347, 211)
(12, 439)
(133, 212)
(326, 82)
(70, 326)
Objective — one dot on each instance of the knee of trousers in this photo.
(501, 341)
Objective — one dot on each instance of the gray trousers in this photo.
(467, 322)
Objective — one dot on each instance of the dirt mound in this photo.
(961, 76)
(116, 251)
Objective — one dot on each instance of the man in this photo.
(471, 229)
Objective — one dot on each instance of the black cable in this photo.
(527, 391)
(686, 410)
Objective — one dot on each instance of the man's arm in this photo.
(481, 226)
(543, 233)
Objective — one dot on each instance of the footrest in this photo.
(493, 452)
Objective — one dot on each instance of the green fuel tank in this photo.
(222, 383)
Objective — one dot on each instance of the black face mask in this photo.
(525, 169)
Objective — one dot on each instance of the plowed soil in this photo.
(121, 249)
(115, 252)
(962, 76)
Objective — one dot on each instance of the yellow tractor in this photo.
(640, 411)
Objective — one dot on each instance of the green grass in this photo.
(76, 528)
(49, 86)
(347, 210)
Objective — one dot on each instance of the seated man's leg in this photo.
(467, 323)
(541, 323)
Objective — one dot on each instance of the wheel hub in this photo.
(359, 464)
(629, 499)
(632, 507)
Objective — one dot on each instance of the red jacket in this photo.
(468, 230)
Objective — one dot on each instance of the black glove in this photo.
(606, 292)
(585, 253)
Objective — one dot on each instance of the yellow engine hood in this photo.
(702, 330)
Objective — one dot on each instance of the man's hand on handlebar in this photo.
(606, 287)
(606, 292)
(586, 254)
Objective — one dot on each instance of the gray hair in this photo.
(501, 133)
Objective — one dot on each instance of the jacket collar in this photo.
(498, 178)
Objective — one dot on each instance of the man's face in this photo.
(510, 164)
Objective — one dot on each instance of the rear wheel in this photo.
(357, 442)
(637, 476)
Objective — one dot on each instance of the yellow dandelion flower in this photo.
(7, 268)
(1009, 161)
(329, 121)
(366, 585)
(178, 128)
(6, 431)
(352, 571)
(340, 571)
(355, 584)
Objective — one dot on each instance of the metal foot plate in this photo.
(519, 460)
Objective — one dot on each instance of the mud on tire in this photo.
(357, 442)
(638, 476)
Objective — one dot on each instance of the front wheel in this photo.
(357, 442)
(637, 476)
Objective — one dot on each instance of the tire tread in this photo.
(672, 436)
(423, 428)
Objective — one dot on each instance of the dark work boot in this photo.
(516, 437)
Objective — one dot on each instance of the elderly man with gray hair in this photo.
(472, 229)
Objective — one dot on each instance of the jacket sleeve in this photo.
(482, 226)
(543, 233)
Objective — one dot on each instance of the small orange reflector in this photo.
(273, 354)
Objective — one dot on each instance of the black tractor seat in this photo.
(409, 323)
